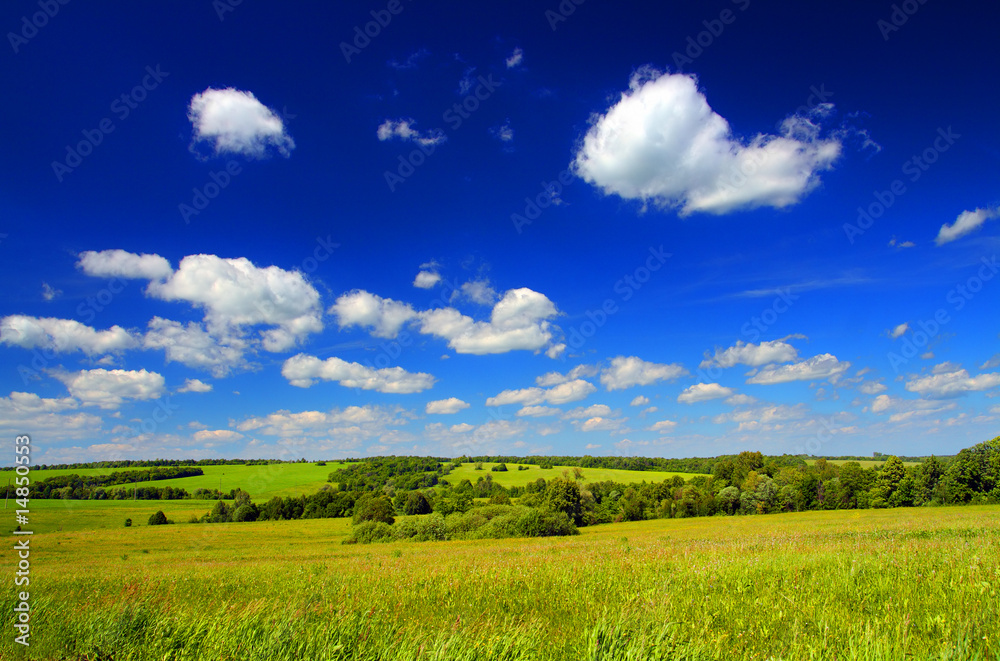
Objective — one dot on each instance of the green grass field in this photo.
(865, 463)
(918, 583)
(262, 481)
(515, 478)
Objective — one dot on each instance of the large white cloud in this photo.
(754, 355)
(625, 372)
(235, 122)
(564, 393)
(382, 317)
(63, 335)
(193, 346)
(303, 370)
(966, 223)
(823, 366)
(352, 422)
(703, 392)
(952, 383)
(123, 264)
(663, 143)
(46, 419)
(445, 406)
(108, 389)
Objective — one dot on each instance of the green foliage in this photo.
(245, 512)
(563, 495)
(417, 503)
(499, 468)
(158, 519)
(128, 523)
(374, 508)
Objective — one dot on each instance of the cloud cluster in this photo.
(404, 129)
(823, 366)
(108, 389)
(952, 382)
(303, 370)
(754, 355)
(703, 392)
(63, 335)
(663, 143)
(564, 393)
(628, 371)
(235, 122)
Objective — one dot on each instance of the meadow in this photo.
(515, 478)
(875, 584)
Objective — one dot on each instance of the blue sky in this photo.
(664, 229)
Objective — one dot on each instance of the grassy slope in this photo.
(865, 463)
(516, 478)
(876, 584)
(262, 482)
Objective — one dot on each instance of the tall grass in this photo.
(899, 584)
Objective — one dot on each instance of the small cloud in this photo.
(966, 223)
(991, 363)
(410, 62)
(405, 129)
(639, 400)
(504, 133)
(928, 355)
(899, 330)
(515, 58)
(49, 293)
(446, 406)
(591, 446)
(426, 279)
(663, 426)
(195, 385)
(234, 122)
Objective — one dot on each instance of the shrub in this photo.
(128, 523)
(369, 532)
(417, 503)
(158, 519)
(245, 513)
(374, 508)
(499, 468)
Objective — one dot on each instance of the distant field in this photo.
(51, 515)
(865, 463)
(911, 583)
(516, 478)
(262, 482)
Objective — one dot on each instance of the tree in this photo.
(417, 503)
(888, 480)
(128, 523)
(500, 468)
(729, 500)
(246, 512)
(158, 519)
(374, 508)
(219, 513)
(563, 495)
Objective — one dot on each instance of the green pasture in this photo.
(515, 478)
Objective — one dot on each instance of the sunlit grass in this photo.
(874, 584)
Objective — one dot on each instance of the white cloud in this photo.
(591, 446)
(504, 133)
(564, 393)
(213, 436)
(382, 317)
(601, 424)
(899, 330)
(353, 423)
(195, 385)
(703, 392)
(446, 406)
(462, 428)
(952, 383)
(626, 372)
(193, 346)
(740, 400)
(754, 355)
(639, 400)
(477, 291)
(45, 418)
(763, 414)
(537, 411)
(29, 402)
(121, 264)
(63, 335)
(966, 223)
(823, 366)
(662, 143)
(593, 411)
(555, 378)
(519, 321)
(405, 130)
(902, 410)
(235, 293)
(426, 279)
(108, 389)
(872, 388)
(302, 370)
(235, 122)
(991, 363)
(50, 293)
(663, 426)
(515, 58)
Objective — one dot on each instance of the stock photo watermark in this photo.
(22, 543)
(914, 168)
(364, 34)
(30, 25)
(957, 298)
(121, 107)
(696, 45)
(898, 17)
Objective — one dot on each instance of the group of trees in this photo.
(95, 487)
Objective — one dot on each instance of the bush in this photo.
(369, 532)
(499, 468)
(245, 513)
(374, 508)
(417, 503)
(128, 523)
(158, 519)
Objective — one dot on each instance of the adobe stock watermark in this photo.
(121, 107)
(535, 206)
(913, 168)
(87, 312)
(957, 298)
(898, 17)
(696, 45)
(562, 12)
(625, 287)
(31, 25)
(454, 117)
(363, 35)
